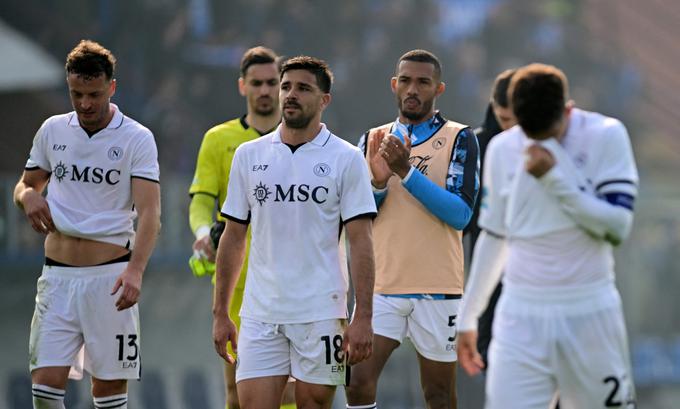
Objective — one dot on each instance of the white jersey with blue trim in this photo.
(89, 193)
(547, 247)
(295, 200)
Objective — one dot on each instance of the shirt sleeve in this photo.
(207, 169)
(236, 206)
(145, 159)
(38, 159)
(493, 200)
(454, 204)
(356, 195)
(616, 172)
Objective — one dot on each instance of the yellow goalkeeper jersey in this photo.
(214, 164)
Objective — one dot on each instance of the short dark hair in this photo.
(499, 94)
(258, 55)
(539, 93)
(323, 74)
(90, 59)
(422, 56)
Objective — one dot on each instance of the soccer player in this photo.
(101, 171)
(561, 188)
(425, 179)
(295, 187)
(259, 84)
(499, 117)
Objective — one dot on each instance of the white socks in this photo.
(373, 405)
(111, 402)
(45, 397)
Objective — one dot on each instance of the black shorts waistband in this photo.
(122, 259)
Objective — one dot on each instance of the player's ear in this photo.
(568, 107)
(242, 86)
(441, 87)
(112, 87)
(325, 100)
(393, 84)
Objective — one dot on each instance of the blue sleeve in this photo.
(453, 205)
(379, 197)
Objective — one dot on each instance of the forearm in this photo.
(19, 190)
(605, 220)
(230, 257)
(362, 268)
(487, 265)
(148, 227)
(446, 206)
(201, 211)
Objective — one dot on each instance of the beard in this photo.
(264, 106)
(299, 119)
(297, 122)
(419, 115)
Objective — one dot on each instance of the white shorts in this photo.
(567, 343)
(76, 324)
(430, 324)
(309, 352)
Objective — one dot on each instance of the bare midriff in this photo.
(77, 251)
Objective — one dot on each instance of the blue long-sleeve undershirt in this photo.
(446, 206)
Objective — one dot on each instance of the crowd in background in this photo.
(178, 59)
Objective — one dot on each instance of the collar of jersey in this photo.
(319, 140)
(115, 122)
(421, 132)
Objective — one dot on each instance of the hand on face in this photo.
(538, 161)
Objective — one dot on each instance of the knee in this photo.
(102, 388)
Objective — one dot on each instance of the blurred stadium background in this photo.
(178, 64)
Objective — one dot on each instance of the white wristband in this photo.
(202, 232)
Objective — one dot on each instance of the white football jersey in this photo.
(89, 192)
(547, 248)
(295, 203)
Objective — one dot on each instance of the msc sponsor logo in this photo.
(322, 169)
(261, 193)
(87, 174)
(291, 193)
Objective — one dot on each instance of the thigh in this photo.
(593, 362)
(55, 337)
(263, 351)
(112, 337)
(261, 393)
(390, 316)
(316, 351)
(521, 357)
(432, 329)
